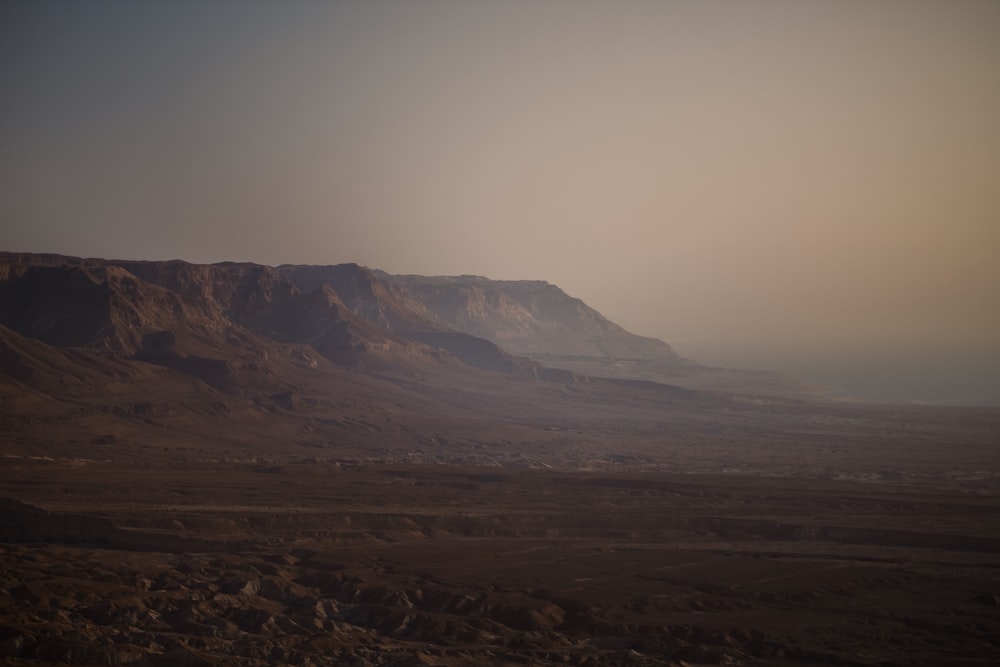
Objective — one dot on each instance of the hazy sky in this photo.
(809, 186)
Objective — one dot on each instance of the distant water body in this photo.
(937, 376)
(928, 391)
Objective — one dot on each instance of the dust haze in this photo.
(782, 185)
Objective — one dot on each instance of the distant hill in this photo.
(224, 323)
(176, 356)
(529, 317)
(243, 362)
(540, 321)
(234, 324)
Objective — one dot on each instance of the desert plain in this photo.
(195, 472)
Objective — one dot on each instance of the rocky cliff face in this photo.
(374, 296)
(97, 306)
(233, 323)
(528, 317)
(540, 321)
(222, 321)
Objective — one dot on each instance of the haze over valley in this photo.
(478, 334)
(800, 187)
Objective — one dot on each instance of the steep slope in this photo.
(141, 355)
(216, 322)
(539, 320)
(227, 326)
(367, 294)
(267, 303)
(529, 317)
(102, 307)
(363, 292)
(220, 322)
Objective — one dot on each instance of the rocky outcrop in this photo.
(369, 295)
(218, 322)
(528, 317)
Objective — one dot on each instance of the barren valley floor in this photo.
(377, 564)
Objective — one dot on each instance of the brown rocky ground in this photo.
(479, 519)
(365, 564)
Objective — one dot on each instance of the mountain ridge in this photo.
(221, 360)
(200, 318)
(217, 320)
(528, 317)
